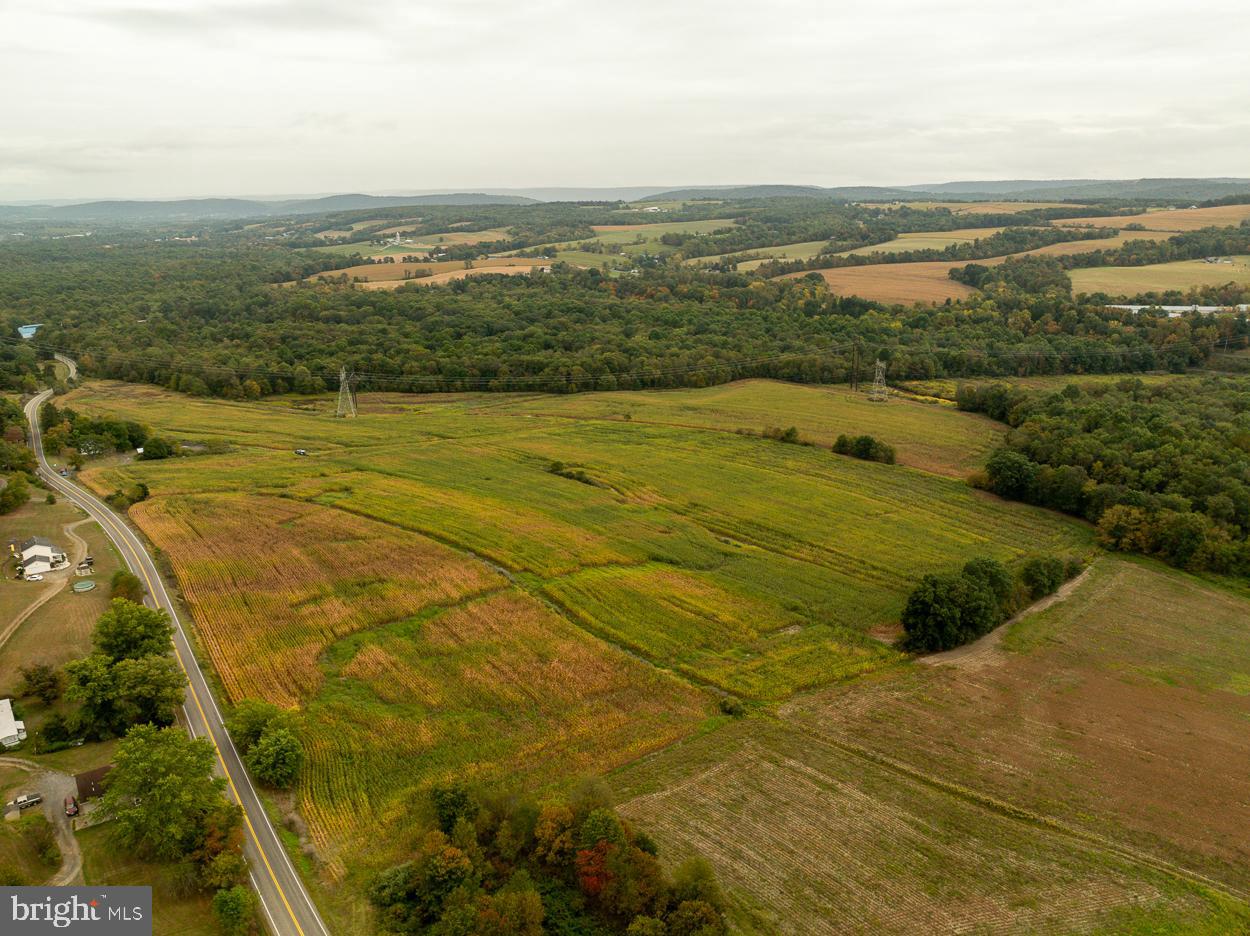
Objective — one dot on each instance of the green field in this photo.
(1160, 277)
(634, 239)
(447, 605)
(925, 240)
(804, 250)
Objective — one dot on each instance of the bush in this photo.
(42, 681)
(276, 758)
(1011, 474)
(125, 584)
(864, 447)
(945, 611)
(235, 908)
(1042, 576)
(731, 707)
(50, 499)
(789, 436)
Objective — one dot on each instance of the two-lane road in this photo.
(285, 903)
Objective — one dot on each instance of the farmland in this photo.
(1160, 277)
(906, 283)
(928, 240)
(975, 207)
(1174, 220)
(929, 281)
(438, 602)
(390, 275)
(811, 838)
(1099, 711)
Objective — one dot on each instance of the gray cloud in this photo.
(198, 97)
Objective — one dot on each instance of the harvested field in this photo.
(1175, 220)
(1180, 276)
(1099, 711)
(480, 269)
(903, 283)
(812, 839)
(273, 582)
(396, 274)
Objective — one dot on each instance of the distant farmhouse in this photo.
(12, 731)
(38, 555)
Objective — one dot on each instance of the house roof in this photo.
(91, 783)
(39, 541)
(8, 724)
(34, 560)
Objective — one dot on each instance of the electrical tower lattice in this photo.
(879, 392)
(347, 394)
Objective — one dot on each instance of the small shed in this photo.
(91, 783)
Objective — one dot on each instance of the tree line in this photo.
(1163, 468)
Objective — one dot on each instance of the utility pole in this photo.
(879, 392)
(347, 395)
(855, 368)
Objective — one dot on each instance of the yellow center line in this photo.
(125, 544)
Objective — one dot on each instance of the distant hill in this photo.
(207, 209)
(1011, 189)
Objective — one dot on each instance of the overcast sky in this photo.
(137, 98)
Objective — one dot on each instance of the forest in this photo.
(1163, 468)
(229, 321)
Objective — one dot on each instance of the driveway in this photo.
(54, 787)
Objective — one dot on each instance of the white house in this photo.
(40, 555)
(12, 731)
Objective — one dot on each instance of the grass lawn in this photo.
(172, 914)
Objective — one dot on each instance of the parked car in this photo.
(34, 578)
(64, 473)
(71, 806)
(27, 800)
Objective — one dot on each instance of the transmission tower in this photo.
(879, 392)
(347, 394)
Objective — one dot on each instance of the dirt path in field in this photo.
(54, 786)
(56, 586)
(986, 650)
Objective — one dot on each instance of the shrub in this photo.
(1042, 576)
(731, 707)
(234, 908)
(42, 681)
(125, 584)
(276, 758)
(864, 447)
(1011, 474)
